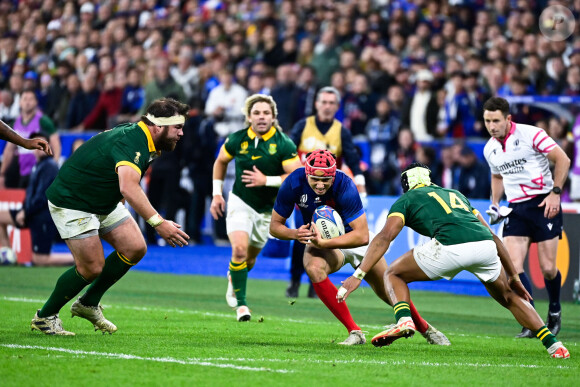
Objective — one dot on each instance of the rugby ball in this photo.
(328, 222)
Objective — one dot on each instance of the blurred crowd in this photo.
(409, 72)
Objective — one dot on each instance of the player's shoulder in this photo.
(527, 131)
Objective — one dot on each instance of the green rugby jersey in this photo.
(440, 213)
(269, 154)
(88, 180)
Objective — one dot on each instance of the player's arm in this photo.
(376, 250)
(497, 188)
(279, 230)
(561, 167)
(359, 236)
(255, 177)
(6, 133)
(131, 190)
(218, 204)
(506, 262)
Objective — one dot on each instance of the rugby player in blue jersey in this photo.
(319, 183)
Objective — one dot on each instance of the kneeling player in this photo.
(322, 184)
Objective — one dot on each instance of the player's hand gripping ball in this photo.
(328, 222)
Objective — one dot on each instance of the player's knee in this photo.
(549, 270)
(316, 273)
(239, 253)
(90, 272)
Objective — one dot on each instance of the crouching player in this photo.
(461, 240)
(317, 184)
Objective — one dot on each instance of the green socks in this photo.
(545, 336)
(67, 287)
(402, 309)
(116, 266)
(239, 274)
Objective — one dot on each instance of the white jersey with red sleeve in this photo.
(521, 159)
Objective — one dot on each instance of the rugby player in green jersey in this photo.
(85, 202)
(461, 240)
(264, 157)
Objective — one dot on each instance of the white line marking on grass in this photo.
(200, 362)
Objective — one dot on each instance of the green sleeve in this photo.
(231, 144)
(288, 148)
(47, 125)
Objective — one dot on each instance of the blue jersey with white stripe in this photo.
(342, 196)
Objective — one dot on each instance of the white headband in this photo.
(166, 121)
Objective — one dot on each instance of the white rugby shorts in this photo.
(441, 261)
(355, 255)
(73, 224)
(241, 217)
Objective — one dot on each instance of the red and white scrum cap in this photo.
(320, 163)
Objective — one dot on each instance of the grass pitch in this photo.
(178, 331)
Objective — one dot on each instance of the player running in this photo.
(317, 184)
(461, 240)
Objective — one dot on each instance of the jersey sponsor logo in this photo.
(303, 201)
(256, 157)
(244, 147)
(137, 156)
(273, 148)
(512, 167)
(317, 200)
(550, 225)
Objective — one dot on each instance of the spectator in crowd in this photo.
(162, 84)
(397, 161)
(186, 74)
(286, 94)
(382, 132)
(55, 109)
(82, 101)
(17, 163)
(473, 179)
(326, 56)
(224, 104)
(133, 96)
(34, 213)
(104, 114)
(420, 113)
(359, 105)
(306, 84)
(8, 111)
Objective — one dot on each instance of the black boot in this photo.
(525, 334)
(554, 322)
(292, 290)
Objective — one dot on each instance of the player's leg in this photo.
(402, 271)
(5, 220)
(319, 263)
(130, 247)
(238, 264)
(525, 314)
(517, 247)
(547, 255)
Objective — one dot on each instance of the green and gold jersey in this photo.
(88, 180)
(440, 213)
(269, 154)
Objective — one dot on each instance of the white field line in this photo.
(198, 362)
(229, 316)
(215, 362)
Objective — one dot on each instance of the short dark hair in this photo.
(497, 103)
(165, 107)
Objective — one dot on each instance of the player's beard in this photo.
(164, 143)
